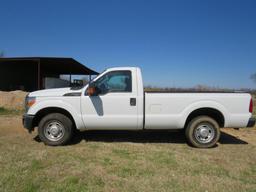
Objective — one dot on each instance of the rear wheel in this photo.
(202, 132)
(55, 129)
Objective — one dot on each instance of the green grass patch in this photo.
(36, 165)
(122, 153)
(4, 111)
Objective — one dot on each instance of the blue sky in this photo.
(175, 42)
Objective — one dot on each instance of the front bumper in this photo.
(251, 122)
(28, 122)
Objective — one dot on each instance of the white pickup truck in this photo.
(115, 100)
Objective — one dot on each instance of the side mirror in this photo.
(91, 91)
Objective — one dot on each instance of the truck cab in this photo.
(114, 100)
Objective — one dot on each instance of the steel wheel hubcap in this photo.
(54, 131)
(204, 133)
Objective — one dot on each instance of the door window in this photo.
(115, 81)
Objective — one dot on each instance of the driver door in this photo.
(114, 104)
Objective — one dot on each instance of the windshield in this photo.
(76, 86)
(95, 77)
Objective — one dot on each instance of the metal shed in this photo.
(27, 73)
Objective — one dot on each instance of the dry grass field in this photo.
(122, 161)
(125, 161)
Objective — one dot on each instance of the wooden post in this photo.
(70, 79)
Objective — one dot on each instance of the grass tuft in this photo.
(4, 111)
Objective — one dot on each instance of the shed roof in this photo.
(53, 64)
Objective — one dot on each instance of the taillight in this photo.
(251, 106)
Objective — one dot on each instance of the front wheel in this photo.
(55, 129)
(203, 132)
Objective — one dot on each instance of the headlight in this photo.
(29, 101)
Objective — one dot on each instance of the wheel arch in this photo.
(207, 111)
(45, 111)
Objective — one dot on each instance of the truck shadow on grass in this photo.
(143, 137)
(177, 137)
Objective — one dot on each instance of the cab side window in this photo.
(115, 81)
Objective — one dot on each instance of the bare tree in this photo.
(253, 77)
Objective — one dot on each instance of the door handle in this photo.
(133, 101)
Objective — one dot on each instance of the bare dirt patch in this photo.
(11, 125)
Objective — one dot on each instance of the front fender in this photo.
(57, 103)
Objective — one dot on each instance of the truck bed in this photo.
(192, 91)
(168, 110)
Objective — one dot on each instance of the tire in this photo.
(202, 132)
(55, 129)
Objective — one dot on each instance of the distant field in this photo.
(125, 161)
